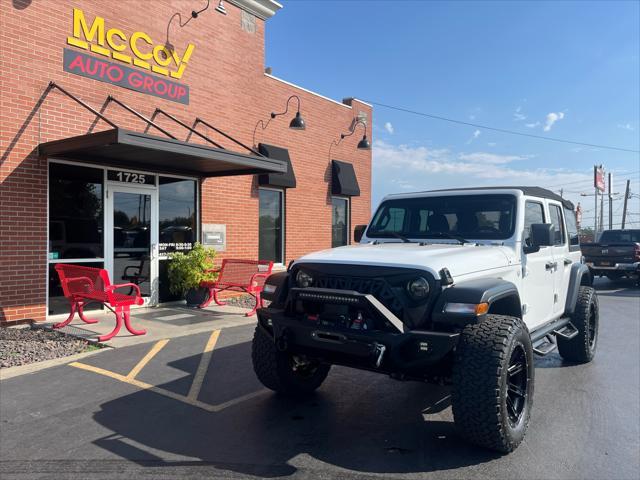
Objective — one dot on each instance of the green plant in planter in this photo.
(187, 270)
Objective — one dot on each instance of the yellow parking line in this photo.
(141, 364)
(194, 391)
(198, 378)
(136, 383)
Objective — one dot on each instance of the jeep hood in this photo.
(459, 259)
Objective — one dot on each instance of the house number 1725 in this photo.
(130, 177)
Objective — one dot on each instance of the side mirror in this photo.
(358, 232)
(541, 236)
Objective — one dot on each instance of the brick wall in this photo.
(227, 88)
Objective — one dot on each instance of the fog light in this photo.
(468, 308)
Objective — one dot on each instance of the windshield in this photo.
(614, 236)
(481, 217)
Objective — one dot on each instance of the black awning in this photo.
(343, 179)
(287, 179)
(134, 150)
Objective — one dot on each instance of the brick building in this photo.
(107, 188)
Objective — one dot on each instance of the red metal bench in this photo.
(84, 285)
(241, 276)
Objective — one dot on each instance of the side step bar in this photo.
(544, 339)
(544, 346)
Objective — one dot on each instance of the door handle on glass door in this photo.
(154, 246)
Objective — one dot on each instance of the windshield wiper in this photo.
(401, 237)
(462, 240)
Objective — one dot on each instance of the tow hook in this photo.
(282, 342)
(378, 352)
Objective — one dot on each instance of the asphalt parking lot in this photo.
(191, 407)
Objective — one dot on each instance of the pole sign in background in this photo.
(134, 79)
(598, 178)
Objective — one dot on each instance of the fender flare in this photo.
(494, 291)
(579, 276)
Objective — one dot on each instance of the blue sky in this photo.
(562, 69)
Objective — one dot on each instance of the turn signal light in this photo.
(468, 308)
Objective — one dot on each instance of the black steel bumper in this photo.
(389, 351)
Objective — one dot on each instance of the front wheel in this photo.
(493, 376)
(283, 372)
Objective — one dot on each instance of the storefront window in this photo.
(75, 212)
(177, 214)
(76, 208)
(271, 225)
(339, 222)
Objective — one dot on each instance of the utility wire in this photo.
(501, 130)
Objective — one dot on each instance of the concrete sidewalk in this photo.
(160, 322)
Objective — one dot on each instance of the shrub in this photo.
(187, 270)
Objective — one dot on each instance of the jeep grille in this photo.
(377, 287)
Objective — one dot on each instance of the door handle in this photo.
(568, 261)
(550, 265)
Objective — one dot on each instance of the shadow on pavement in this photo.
(375, 425)
(620, 288)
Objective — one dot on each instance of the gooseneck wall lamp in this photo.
(363, 144)
(296, 123)
(168, 46)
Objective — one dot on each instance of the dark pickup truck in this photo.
(615, 255)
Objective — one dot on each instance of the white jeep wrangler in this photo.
(453, 286)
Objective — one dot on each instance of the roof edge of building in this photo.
(268, 75)
(263, 9)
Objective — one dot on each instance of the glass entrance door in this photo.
(132, 239)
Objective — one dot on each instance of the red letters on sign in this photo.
(92, 67)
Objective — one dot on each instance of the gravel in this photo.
(20, 346)
(242, 301)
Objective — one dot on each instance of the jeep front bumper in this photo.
(391, 351)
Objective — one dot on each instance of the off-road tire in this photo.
(582, 347)
(481, 377)
(275, 369)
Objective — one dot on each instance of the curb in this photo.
(11, 372)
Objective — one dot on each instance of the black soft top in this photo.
(533, 191)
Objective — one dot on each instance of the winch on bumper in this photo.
(354, 329)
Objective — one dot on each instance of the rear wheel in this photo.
(493, 383)
(283, 372)
(582, 347)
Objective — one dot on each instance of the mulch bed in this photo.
(20, 346)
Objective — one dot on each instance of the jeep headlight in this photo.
(303, 279)
(418, 288)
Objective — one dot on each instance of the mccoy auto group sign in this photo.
(135, 53)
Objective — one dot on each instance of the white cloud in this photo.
(532, 125)
(552, 118)
(474, 135)
(626, 126)
(518, 116)
(389, 128)
(491, 144)
(490, 158)
(412, 168)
